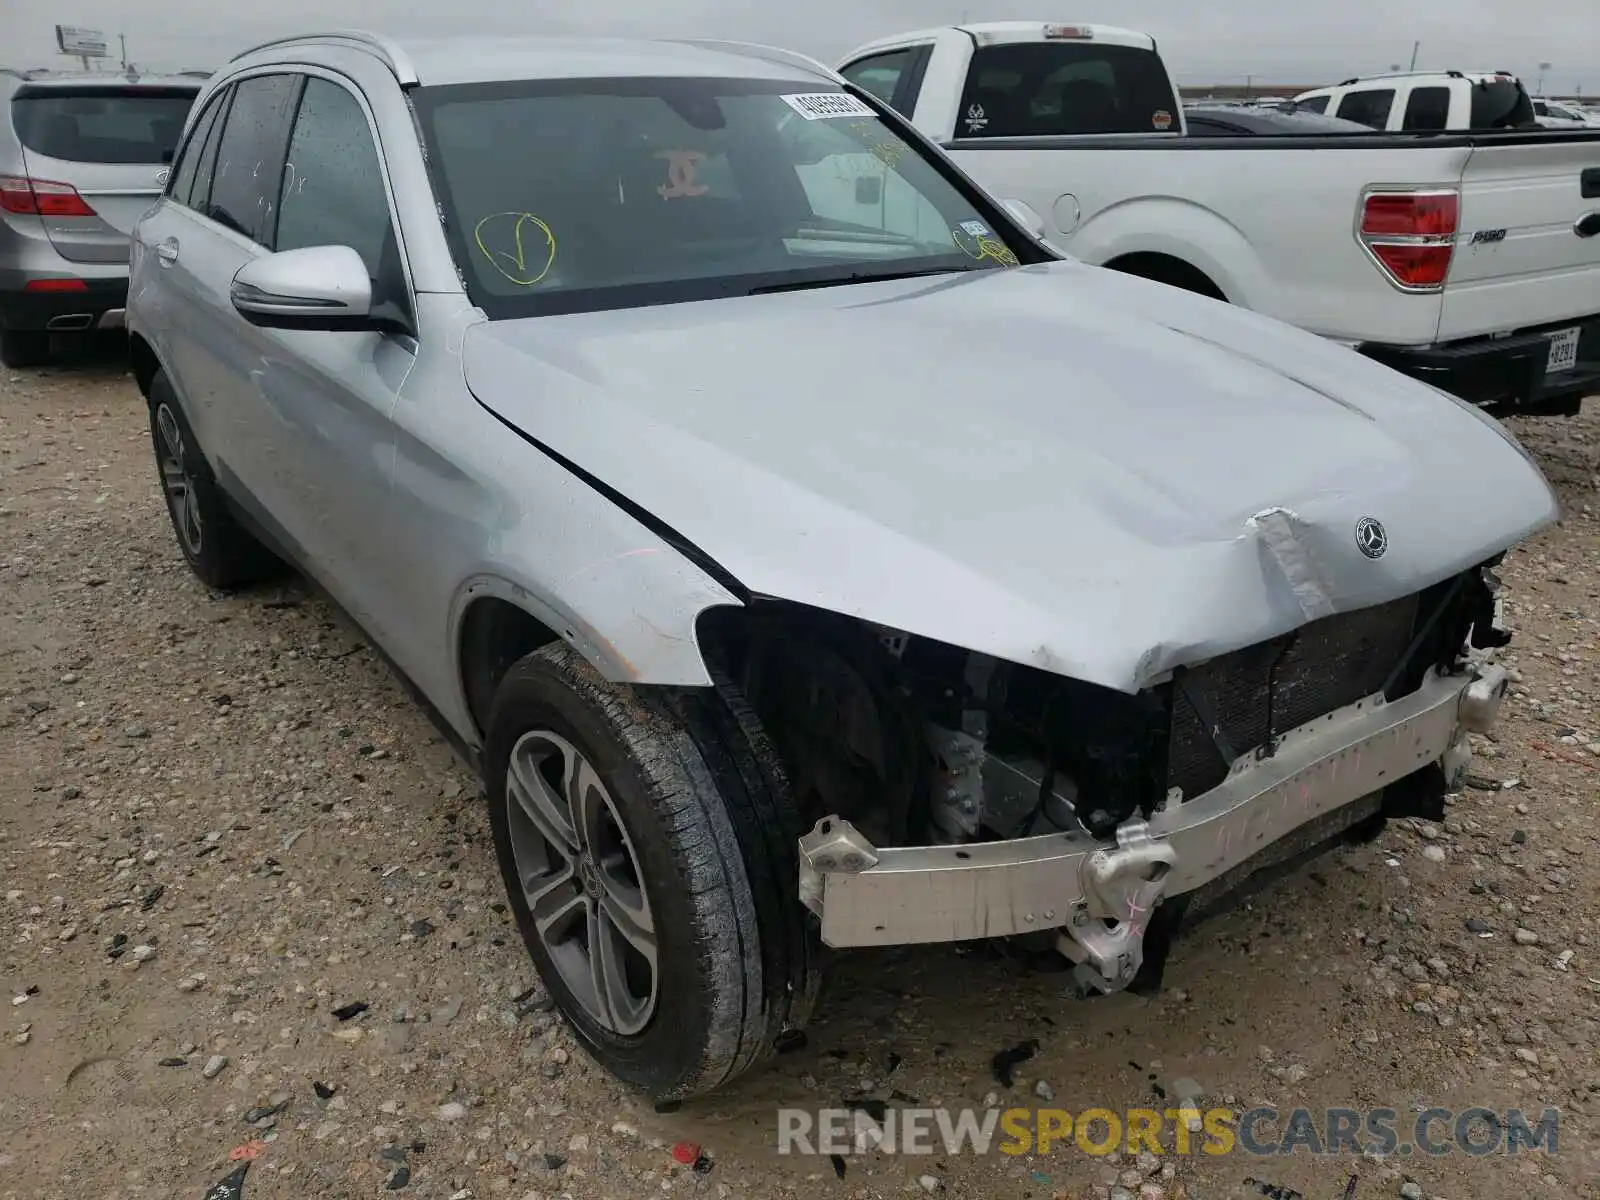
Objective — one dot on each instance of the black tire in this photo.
(24, 347)
(707, 811)
(217, 548)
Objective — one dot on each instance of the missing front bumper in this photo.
(1101, 893)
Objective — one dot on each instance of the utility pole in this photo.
(123, 38)
(1539, 87)
(1415, 46)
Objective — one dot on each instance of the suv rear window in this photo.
(100, 124)
(1501, 104)
(1035, 89)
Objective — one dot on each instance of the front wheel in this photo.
(647, 844)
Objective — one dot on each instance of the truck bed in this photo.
(1272, 220)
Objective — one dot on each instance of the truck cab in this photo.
(1022, 79)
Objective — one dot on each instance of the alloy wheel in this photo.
(582, 882)
(176, 482)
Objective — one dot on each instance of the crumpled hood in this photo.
(1057, 465)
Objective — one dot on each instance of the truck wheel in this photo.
(648, 844)
(24, 347)
(217, 548)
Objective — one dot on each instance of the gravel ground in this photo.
(221, 821)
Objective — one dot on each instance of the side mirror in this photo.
(319, 287)
(1026, 216)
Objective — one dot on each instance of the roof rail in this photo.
(788, 58)
(380, 47)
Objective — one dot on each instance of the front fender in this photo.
(632, 614)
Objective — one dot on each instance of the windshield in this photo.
(97, 124)
(587, 194)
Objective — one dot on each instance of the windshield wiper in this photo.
(800, 285)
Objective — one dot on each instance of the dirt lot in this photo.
(221, 820)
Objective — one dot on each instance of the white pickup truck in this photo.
(1469, 260)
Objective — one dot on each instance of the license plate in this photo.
(1563, 351)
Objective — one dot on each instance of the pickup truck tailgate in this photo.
(1519, 262)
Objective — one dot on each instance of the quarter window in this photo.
(244, 193)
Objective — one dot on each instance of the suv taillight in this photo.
(41, 197)
(1411, 235)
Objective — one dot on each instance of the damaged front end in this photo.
(956, 796)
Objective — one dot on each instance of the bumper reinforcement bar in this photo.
(1100, 895)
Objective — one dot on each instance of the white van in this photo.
(1431, 100)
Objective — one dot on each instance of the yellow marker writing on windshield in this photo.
(984, 247)
(533, 246)
(879, 145)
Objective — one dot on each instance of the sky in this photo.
(1274, 41)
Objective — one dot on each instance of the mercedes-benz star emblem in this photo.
(1371, 537)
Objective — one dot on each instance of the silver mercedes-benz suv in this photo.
(804, 553)
(81, 157)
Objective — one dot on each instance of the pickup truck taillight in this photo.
(1411, 235)
(41, 197)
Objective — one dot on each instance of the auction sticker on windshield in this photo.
(815, 106)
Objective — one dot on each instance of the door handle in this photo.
(1587, 225)
(167, 251)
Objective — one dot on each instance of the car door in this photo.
(199, 249)
(323, 400)
(168, 301)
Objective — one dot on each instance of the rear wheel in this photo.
(217, 548)
(647, 844)
(24, 347)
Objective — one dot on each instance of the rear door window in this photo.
(1428, 108)
(1035, 89)
(1369, 106)
(188, 167)
(249, 166)
(100, 124)
(1500, 104)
